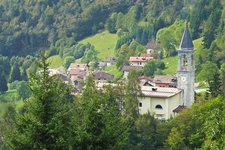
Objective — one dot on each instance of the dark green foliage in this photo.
(212, 23)
(25, 30)
(7, 124)
(67, 61)
(4, 64)
(23, 90)
(98, 121)
(215, 85)
(111, 23)
(146, 126)
(161, 65)
(70, 51)
(150, 68)
(15, 74)
(3, 84)
(45, 124)
(202, 127)
(222, 78)
(90, 55)
(132, 90)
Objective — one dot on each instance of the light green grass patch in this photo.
(171, 65)
(3, 106)
(103, 42)
(199, 49)
(143, 23)
(55, 61)
(10, 95)
(113, 70)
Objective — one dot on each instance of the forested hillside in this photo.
(28, 26)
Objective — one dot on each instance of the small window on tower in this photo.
(184, 62)
(192, 60)
(140, 104)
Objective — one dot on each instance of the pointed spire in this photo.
(186, 41)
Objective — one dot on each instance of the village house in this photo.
(139, 61)
(78, 66)
(165, 81)
(151, 46)
(147, 55)
(101, 65)
(60, 74)
(77, 73)
(110, 61)
(146, 81)
(159, 81)
(102, 77)
(127, 69)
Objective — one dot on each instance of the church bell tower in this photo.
(186, 69)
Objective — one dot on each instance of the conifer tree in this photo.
(98, 121)
(45, 123)
(132, 91)
(3, 84)
(15, 74)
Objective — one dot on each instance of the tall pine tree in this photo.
(15, 73)
(46, 121)
(3, 84)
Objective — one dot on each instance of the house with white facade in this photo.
(126, 69)
(77, 73)
(139, 61)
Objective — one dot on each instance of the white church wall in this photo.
(148, 104)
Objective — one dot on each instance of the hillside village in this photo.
(163, 95)
(112, 75)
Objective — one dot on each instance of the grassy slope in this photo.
(171, 65)
(10, 95)
(3, 106)
(199, 50)
(171, 62)
(55, 61)
(104, 43)
(113, 70)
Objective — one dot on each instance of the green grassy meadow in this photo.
(55, 61)
(171, 65)
(199, 49)
(103, 42)
(9, 97)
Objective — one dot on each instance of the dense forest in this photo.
(94, 120)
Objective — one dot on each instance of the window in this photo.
(140, 104)
(158, 107)
(184, 62)
(75, 82)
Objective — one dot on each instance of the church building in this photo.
(164, 103)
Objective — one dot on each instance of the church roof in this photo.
(179, 109)
(159, 92)
(186, 41)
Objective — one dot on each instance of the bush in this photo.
(67, 61)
